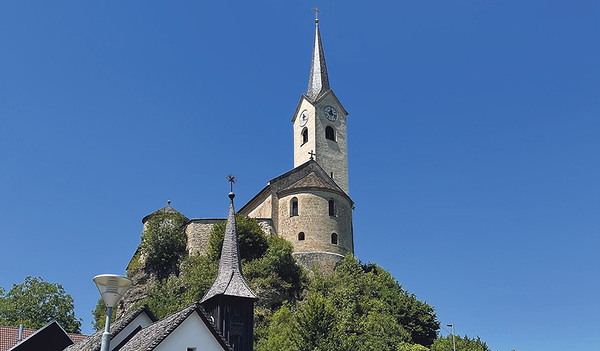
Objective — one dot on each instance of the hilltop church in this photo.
(309, 205)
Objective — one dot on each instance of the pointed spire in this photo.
(229, 280)
(318, 82)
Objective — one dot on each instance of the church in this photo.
(309, 205)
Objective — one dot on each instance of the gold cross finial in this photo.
(317, 12)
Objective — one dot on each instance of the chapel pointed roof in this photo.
(318, 82)
(229, 280)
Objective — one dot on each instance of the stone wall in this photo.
(314, 221)
(198, 234)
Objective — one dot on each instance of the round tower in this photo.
(318, 223)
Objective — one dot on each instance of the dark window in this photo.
(334, 239)
(304, 136)
(294, 207)
(332, 207)
(237, 326)
(330, 133)
(301, 236)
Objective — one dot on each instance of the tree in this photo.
(35, 303)
(315, 324)
(253, 241)
(99, 314)
(358, 307)
(462, 343)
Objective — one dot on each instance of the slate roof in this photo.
(94, 341)
(150, 337)
(318, 83)
(229, 280)
(10, 335)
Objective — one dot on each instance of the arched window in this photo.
(332, 207)
(304, 135)
(294, 207)
(300, 236)
(329, 133)
(334, 238)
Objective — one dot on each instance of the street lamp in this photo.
(112, 287)
(453, 342)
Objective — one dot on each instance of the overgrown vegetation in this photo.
(358, 307)
(164, 243)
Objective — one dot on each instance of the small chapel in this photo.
(309, 205)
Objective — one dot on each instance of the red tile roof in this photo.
(10, 335)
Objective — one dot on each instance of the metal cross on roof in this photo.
(231, 179)
(312, 154)
(317, 12)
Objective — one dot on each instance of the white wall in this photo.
(191, 333)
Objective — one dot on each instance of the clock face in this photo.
(330, 113)
(303, 118)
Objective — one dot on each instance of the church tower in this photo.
(229, 301)
(319, 122)
(309, 206)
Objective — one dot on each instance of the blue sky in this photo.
(473, 141)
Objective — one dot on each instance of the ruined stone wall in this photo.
(198, 234)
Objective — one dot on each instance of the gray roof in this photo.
(318, 83)
(150, 337)
(94, 341)
(166, 209)
(306, 176)
(229, 280)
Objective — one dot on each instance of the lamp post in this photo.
(453, 342)
(112, 287)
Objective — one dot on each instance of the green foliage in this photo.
(135, 264)
(198, 274)
(411, 347)
(358, 307)
(35, 303)
(275, 276)
(99, 314)
(462, 343)
(164, 243)
(315, 322)
(280, 333)
(253, 242)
